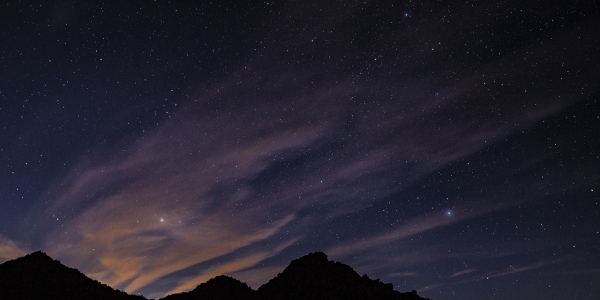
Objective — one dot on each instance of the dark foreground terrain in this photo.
(38, 276)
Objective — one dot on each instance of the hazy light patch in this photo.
(10, 250)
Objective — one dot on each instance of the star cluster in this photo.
(449, 148)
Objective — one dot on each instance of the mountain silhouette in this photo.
(315, 277)
(219, 288)
(38, 276)
(310, 277)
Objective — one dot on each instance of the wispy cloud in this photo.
(513, 270)
(508, 271)
(463, 272)
(415, 226)
(230, 267)
(135, 256)
(10, 250)
(219, 177)
(166, 206)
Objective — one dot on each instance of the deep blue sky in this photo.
(452, 148)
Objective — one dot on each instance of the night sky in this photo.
(450, 147)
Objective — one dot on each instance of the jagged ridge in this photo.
(219, 288)
(315, 277)
(38, 276)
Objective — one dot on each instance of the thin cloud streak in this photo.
(232, 266)
(508, 271)
(236, 265)
(414, 227)
(513, 270)
(529, 191)
(463, 272)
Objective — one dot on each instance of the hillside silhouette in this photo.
(38, 276)
(219, 288)
(310, 277)
(313, 276)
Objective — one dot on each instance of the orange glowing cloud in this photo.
(229, 267)
(160, 210)
(10, 250)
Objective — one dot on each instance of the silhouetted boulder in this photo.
(37, 276)
(315, 277)
(218, 288)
